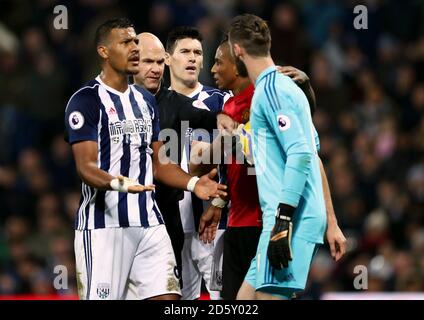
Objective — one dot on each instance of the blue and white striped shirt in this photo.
(123, 124)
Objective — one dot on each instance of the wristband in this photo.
(192, 183)
(117, 185)
(219, 203)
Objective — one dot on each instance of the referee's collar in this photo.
(264, 73)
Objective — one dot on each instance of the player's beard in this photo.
(241, 67)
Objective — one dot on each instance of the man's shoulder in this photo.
(85, 94)
(213, 90)
(147, 96)
(172, 98)
(89, 89)
(218, 93)
(276, 89)
(213, 98)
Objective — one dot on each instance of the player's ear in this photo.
(235, 70)
(102, 51)
(238, 51)
(167, 59)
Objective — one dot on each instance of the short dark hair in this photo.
(106, 27)
(252, 33)
(181, 33)
(240, 66)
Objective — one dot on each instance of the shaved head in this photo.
(148, 41)
(152, 62)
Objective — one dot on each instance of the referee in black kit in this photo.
(173, 109)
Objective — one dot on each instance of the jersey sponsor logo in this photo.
(103, 290)
(129, 127)
(76, 120)
(283, 122)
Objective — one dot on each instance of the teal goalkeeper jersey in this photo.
(285, 155)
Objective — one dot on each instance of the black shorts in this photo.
(240, 244)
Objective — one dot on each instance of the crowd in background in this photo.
(369, 85)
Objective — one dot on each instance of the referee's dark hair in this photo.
(106, 27)
(181, 33)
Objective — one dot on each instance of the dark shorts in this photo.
(240, 244)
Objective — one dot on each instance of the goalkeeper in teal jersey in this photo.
(287, 166)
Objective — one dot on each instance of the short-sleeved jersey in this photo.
(123, 125)
(245, 210)
(285, 155)
(191, 207)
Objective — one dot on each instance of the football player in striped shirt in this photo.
(121, 245)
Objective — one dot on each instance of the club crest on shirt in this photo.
(76, 120)
(283, 122)
(245, 115)
(103, 290)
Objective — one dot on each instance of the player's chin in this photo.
(192, 77)
(218, 84)
(152, 86)
(132, 69)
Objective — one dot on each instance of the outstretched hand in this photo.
(206, 187)
(133, 186)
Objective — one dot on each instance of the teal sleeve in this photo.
(290, 134)
(317, 142)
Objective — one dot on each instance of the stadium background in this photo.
(370, 92)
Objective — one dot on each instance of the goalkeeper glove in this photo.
(279, 248)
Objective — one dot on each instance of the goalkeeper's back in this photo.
(285, 155)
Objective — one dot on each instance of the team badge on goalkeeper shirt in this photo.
(283, 122)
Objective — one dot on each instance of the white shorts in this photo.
(125, 263)
(198, 260)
